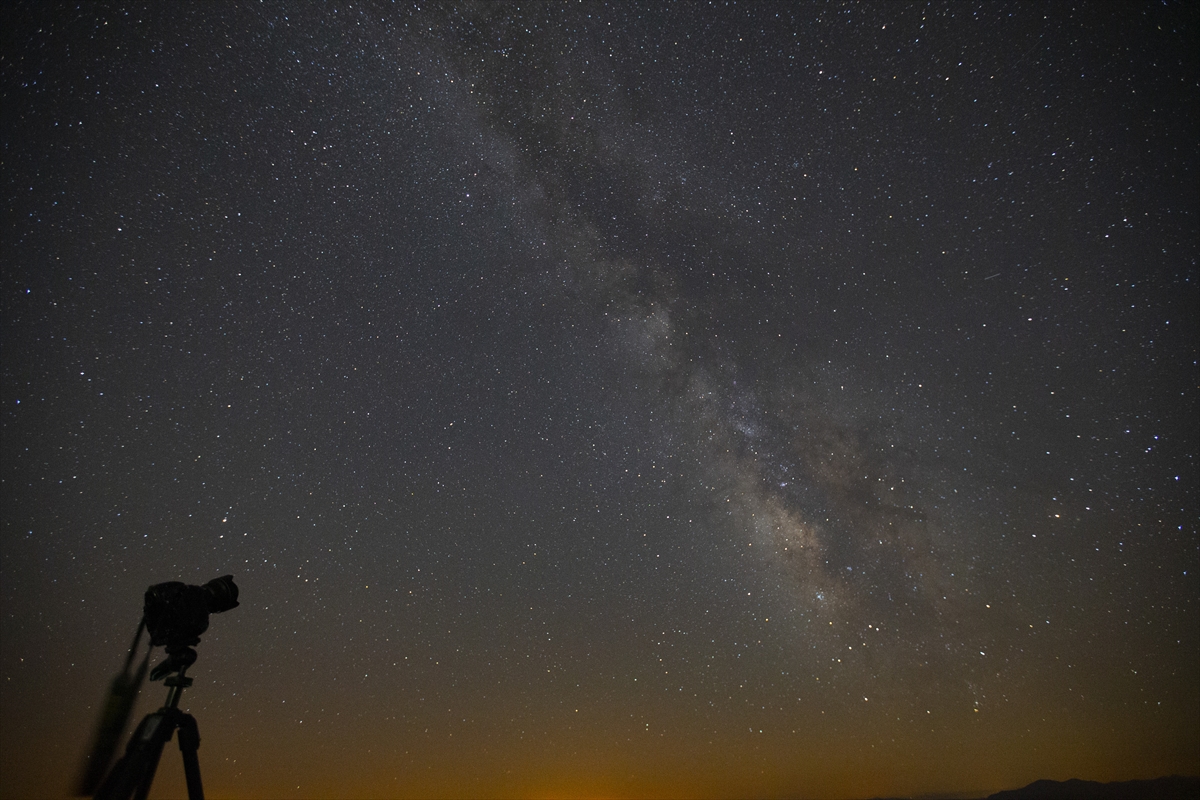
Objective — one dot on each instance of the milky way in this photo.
(815, 483)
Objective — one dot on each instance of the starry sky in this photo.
(599, 400)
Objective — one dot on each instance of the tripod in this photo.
(134, 772)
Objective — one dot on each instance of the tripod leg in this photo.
(135, 770)
(143, 791)
(189, 742)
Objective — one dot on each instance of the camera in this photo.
(177, 613)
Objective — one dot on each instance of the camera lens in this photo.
(223, 594)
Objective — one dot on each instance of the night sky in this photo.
(589, 399)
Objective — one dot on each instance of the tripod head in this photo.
(178, 659)
(178, 682)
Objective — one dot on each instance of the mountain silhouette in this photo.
(1175, 787)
